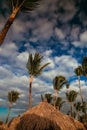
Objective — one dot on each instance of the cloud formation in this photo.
(56, 29)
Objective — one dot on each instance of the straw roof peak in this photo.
(45, 117)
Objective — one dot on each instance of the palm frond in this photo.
(59, 81)
(84, 66)
(24, 5)
(71, 96)
(49, 97)
(59, 102)
(42, 67)
(78, 106)
(29, 64)
(30, 5)
(34, 64)
(78, 71)
(13, 96)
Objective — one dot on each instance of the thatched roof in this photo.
(4, 127)
(1, 122)
(45, 117)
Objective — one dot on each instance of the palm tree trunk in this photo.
(80, 89)
(8, 24)
(58, 108)
(55, 97)
(71, 110)
(30, 92)
(81, 95)
(7, 118)
(78, 114)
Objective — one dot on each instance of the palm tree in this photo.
(79, 72)
(84, 66)
(67, 87)
(35, 69)
(12, 97)
(78, 108)
(58, 83)
(59, 103)
(15, 6)
(84, 107)
(71, 97)
(47, 96)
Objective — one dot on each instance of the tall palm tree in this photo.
(47, 96)
(15, 6)
(12, 97)
(35, 68)
(84, 66)
(71, 97)
(58, 83)
(59, 103)
(78, 71)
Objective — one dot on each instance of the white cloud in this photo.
(43, 25)
(41, 86)
(16, 81)
(79, 44)
(44, 28)
(8, 50)
(69, 10)
(83, 37)
(5, 73)
(22, 59)
(75, 32)
(63, 65)
(83, 40)
(47, 52)
(59, 33)
(66, 60)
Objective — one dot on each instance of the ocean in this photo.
(4, 112)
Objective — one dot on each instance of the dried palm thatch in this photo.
(34, 122)
(4, 127)
(13, 123)
(1, 122)
(45, 117)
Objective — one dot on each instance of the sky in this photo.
(57, 29)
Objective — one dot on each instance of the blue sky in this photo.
(56, 30)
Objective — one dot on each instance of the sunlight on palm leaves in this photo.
(15, 6)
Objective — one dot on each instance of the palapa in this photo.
(45, 117)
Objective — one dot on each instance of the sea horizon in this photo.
(4, 112)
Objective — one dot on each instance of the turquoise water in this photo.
(4, 112)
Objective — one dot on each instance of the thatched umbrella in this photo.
(35, 122)
(45, 117)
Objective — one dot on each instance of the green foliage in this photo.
(47, 96)
(24, 5)
(58, 82)
(84, 107)
(84, 66)
(13, 96)
(59, 103)
(78, 106)
(71, 95)
(34, 65)
(78, 71)
(67, 85)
